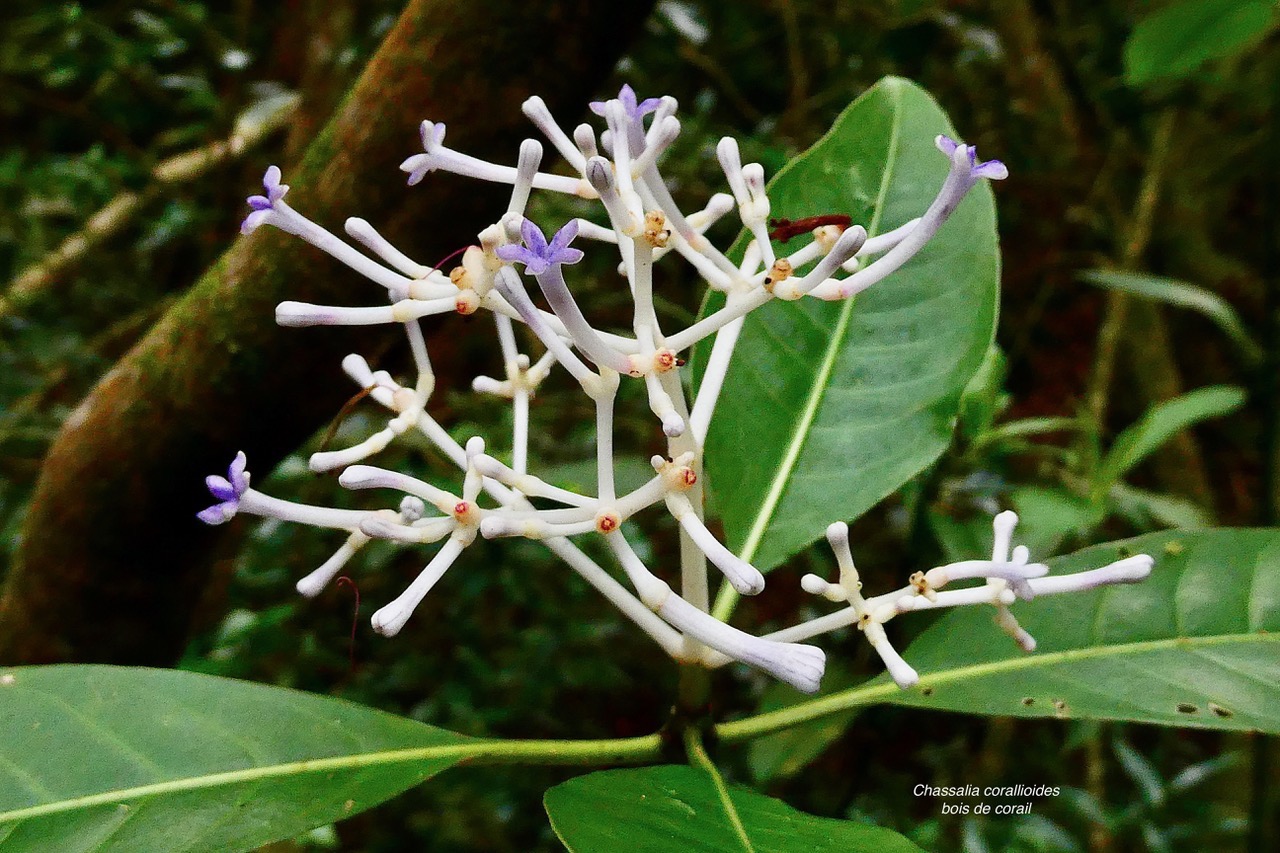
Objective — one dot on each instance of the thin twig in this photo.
(1135, 245)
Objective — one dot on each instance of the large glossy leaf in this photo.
(1178, 39)
(675, 807)
(1195, 644)
(830, 407)
(114, 759)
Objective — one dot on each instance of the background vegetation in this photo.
(115, 196)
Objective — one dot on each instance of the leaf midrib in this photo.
(357, 761)
(817, 389)
(885, 691)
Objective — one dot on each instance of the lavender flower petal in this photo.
(513, 253)
(228, 490)
(432, 134)
(993, 170)
(219, 513)
(534, 238)
(237, 474)
(253, 220)
(220, 488)
(946, 144)
(562, 238)
(417, 166)
(271, 183)
(566, 256)
(627, 96)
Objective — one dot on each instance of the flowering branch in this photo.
(644, 224)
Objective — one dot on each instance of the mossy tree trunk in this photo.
(113, 562)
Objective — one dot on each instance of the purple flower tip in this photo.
(418, 165)
(537, 254)
(228, 490)
(432, 135)
(990, 169)
(261, 205)
(627, 96)
(271, 183)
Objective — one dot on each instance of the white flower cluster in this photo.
(644, 224)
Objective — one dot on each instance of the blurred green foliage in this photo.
(97, 94)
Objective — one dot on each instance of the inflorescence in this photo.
(619, 169)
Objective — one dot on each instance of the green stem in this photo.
(784, 718)
(635, 750)
(1097, 395)
(699, 758)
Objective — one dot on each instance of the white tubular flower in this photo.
(527, 484)
(299, 314)
(311, 585)
(422, 532)
(1129, 570)
(369, 477)
(369, 237)
(744, 577)
(526, 171)
(355, 366)
(660, 137)
(880, 244)
(1009, 575)
(1013, 572)
(508, 284)
(798, 665)
(899, 670)
(585, 138)
(845, 248)
(389, 619)
(1005, 619)
(965, 173)
(271, 209)
(625, 221)
(543, 259)
(731, 163)
(537, 112)
(437, 156)
(661, 404)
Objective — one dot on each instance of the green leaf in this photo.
(960, 538)
(675, 807)
(1182, 295)
(1145, 776)
(1048, 515)
(1143, 507)
(1178, 39)
(109, 758)
(984, 397)
(834, 406)
(1161, 423)
(785, 753)
(1195, 644)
